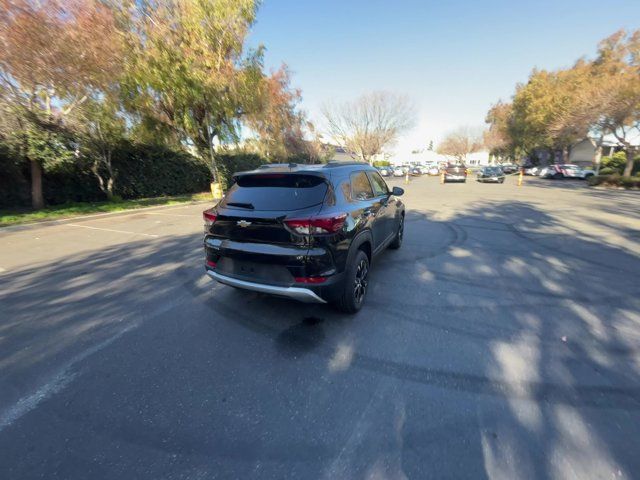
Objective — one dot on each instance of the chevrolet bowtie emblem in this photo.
(243, 223)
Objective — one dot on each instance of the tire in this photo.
(355, 284)
(397, 241)
(502, 180)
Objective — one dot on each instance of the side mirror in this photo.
(397, 191)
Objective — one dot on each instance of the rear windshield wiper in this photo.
(248, 206)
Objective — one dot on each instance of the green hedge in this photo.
(616, 163)
(154, 170)
(230, 163)
(142, 171)
(615, 180)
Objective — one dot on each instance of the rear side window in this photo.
(360, 186)
(275, 192)
(379, 185)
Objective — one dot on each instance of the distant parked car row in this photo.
(453, 171)
(401, 171)
(561, 171)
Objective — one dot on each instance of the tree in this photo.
(609, 104)
(537, 105)
(188, 70)
(101, 128)
(54, 54)
(430, 147)
(280, 126)
(460, 143)
(497, 138)
(370, 123)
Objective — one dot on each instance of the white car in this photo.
(575, 171)
(434, 170)
(398, 172)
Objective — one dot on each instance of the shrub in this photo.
(152, 170)
(615, 180)
(142, 170)
(382, 163)
(230, 163)
(630, 182)
(616, 163)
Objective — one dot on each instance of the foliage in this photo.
(278, 123)
(617, 163)
(54, 55)
(496, 138)
(188, 70)
(555, 109)
(100, 129)
(615, 180)
(381, 163)
(230, 163)
(143, 171)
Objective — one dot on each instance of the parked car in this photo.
(509, 168)
(558, 171)
(386, 171)
(433, 170)
(415, 171)
(455, 173)
(306, 232)
(550, 171)
(398, 172)
(575, 171)
(532, 171)
(491, 174)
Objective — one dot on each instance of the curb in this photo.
(62, 220)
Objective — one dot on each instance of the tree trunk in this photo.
(37, 199)
(597, 158)
(628, 169)
(566, 152)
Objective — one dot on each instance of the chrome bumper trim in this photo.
(297, 293)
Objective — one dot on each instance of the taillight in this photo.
(310, 279)
(211, 264)
(209, 219)
(317, 225)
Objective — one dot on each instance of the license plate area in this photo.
(254, 271)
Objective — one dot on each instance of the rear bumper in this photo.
(301, 294)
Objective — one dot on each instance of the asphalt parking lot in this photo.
(501, 341)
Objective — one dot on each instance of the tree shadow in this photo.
(496, 343)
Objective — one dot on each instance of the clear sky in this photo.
(454, 58)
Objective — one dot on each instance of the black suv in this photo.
(307, 232)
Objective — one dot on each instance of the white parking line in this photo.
(170, 214)
(111, 230)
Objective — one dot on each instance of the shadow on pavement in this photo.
(496, 343)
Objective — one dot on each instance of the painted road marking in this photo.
(111, 230)
(170, 214)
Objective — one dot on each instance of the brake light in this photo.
(310, 279)
(209, 217)
(317, 225)
(211, 264)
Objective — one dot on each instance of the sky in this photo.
(453, 58)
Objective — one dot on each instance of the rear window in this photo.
(275, 192)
